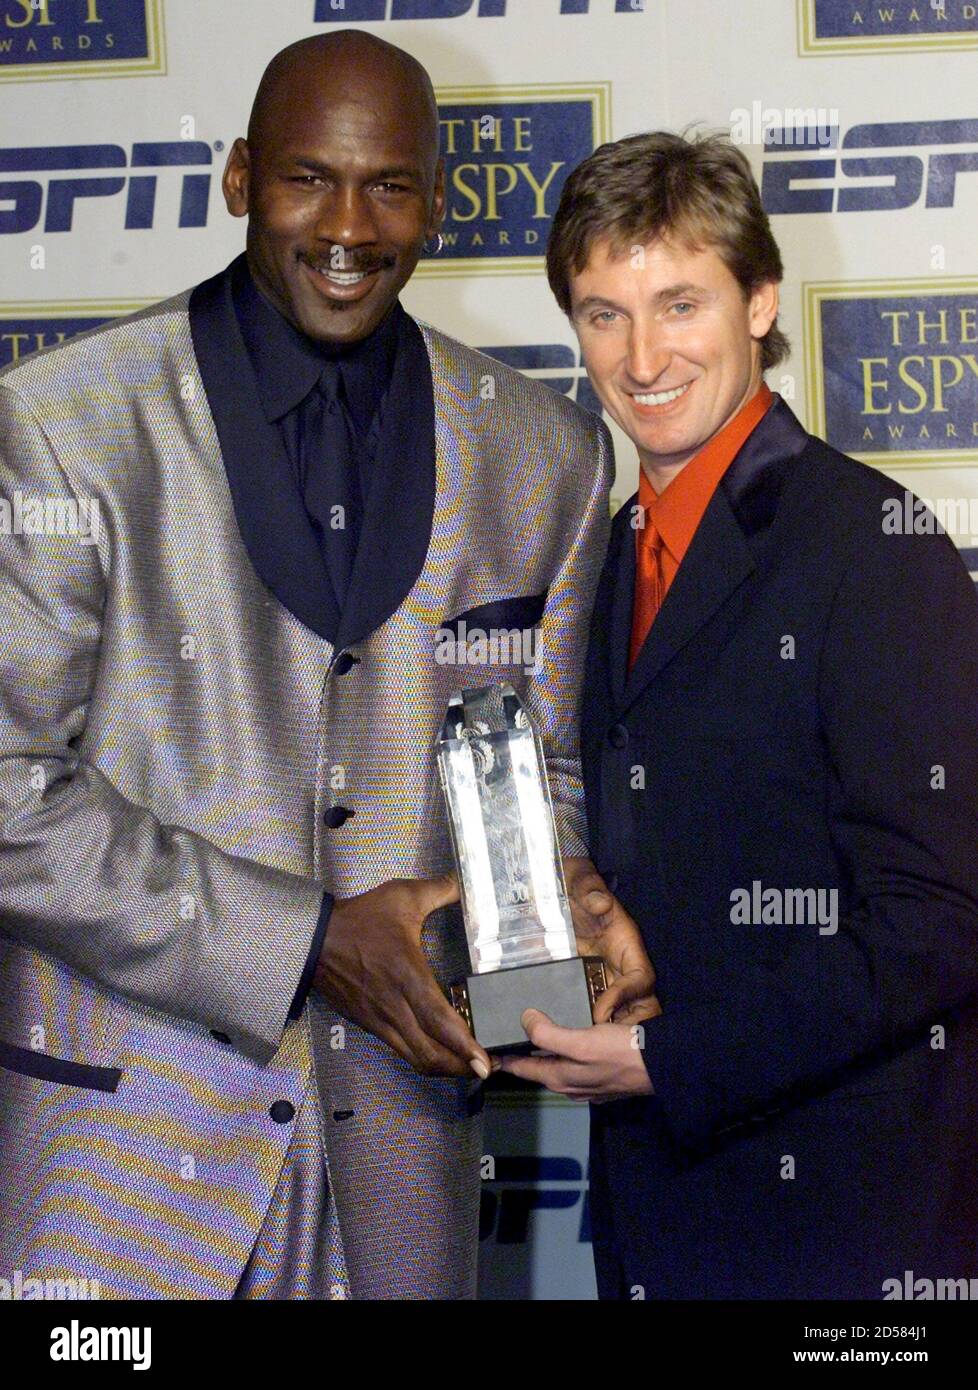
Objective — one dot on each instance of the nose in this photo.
(648, 353)
(346, 218)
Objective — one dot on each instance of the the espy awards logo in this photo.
(44, 39)
(508, 151)
(892, 370)
(365, 11)
(849, 26)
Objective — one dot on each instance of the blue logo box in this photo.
(44, 39)
(839, 26)
(892, 370)
(508, 152)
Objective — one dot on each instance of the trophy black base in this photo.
(492, 1004)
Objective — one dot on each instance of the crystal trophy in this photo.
(514, 903)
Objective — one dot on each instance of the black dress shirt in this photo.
(288, 365)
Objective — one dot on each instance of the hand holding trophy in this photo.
(517, 916)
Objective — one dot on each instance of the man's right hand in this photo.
(603, 928)
(372, 970)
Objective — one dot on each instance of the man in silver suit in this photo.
(227, 1066)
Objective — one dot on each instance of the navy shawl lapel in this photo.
(719, 558)
(396, 528)
(271, 516)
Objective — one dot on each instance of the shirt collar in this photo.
(678, 509)
(288, 363)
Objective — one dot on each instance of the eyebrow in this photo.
(687, 288)
(399, 171)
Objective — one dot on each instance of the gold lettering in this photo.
(448, 126)
(493, 192)
(914, 385)
(896, 315)
(540, 189)
(30, 9)
(870, 385)
(940, 323)
(940, 383)
(470, 193)
(15, 340)
(521, 135)
(479, 143)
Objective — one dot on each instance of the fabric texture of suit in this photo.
(804, 714)
(170, 736)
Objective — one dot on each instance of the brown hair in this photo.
(697, 190)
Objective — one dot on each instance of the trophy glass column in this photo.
(514, 902)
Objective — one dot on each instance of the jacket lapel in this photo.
(717, 563)
(271, 516)
(396, 528)
(719, 558)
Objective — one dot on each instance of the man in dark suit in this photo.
(780, 745)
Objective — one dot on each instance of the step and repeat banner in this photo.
(861, 122)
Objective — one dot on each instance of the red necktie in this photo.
(648, 586)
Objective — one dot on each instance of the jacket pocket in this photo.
(58, 1069)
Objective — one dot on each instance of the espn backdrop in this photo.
(861, 121)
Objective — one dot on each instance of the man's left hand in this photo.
(594, 1064)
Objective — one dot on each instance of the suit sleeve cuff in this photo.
(309, 970)
(692, 1084)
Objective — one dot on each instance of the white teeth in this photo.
(340, 277)
(661, 397)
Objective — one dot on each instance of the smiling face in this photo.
(671, 345)
(342, 185)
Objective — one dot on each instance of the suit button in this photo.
(337, 816)
(345, 662)
(282, 1112)
(618, 736)
(219, 1037)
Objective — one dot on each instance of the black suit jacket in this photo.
(804, 715)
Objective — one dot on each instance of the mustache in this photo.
(352, 263)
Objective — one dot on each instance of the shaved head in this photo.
(340, 180)
(346, 60)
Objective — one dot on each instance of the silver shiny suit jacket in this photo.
(171, 738)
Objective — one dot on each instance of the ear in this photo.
(437, 201)
(237, 179)
(762, 308)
